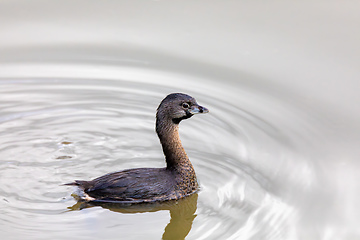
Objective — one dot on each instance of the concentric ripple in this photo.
(69, 122)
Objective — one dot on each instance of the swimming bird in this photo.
(140, 185)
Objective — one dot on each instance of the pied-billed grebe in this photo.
(139, 185)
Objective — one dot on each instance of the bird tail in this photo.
(80, 183)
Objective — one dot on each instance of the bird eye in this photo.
(185, 105)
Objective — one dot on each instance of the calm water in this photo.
(276, 157)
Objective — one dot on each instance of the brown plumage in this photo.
(138, 185)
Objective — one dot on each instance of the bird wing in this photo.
(133, 184)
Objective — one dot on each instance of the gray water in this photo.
(276, 157)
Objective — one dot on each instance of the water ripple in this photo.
(57, 127)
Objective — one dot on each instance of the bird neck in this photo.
(175, 155)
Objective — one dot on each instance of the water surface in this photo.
(276, 157)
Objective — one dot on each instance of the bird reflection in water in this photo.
(182, 213)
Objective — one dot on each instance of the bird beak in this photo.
(198, 109)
